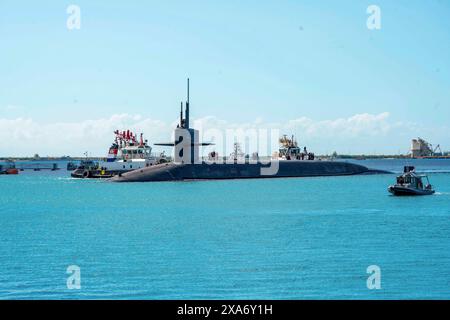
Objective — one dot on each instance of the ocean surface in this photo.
(298, 238)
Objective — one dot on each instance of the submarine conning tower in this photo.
(186, 139)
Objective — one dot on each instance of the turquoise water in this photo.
(308, 238)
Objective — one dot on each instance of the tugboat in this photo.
(289, 150)
(125, 154)
(71, 166)
(8, 167)
(411, 184)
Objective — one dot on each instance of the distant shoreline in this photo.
(339, 157)
(50, 158)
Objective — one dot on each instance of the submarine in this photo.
(188, 165)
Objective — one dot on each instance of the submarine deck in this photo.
(214, 171)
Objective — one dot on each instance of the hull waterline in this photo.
(403, 191)
(205, 171)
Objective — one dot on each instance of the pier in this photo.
(37, 166)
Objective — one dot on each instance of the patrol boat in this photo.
(125, 154)
(411, 184)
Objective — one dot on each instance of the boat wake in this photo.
(66, 178)
(426, 171)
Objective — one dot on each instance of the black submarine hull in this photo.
(208, 171)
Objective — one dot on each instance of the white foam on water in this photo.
(424, 171)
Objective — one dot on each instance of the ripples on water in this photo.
(260, 239)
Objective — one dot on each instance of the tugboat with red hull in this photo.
(125, 154)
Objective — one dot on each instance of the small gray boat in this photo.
(411, 184)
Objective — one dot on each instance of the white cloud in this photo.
(25, 137)
(361, 133)
(360, 124)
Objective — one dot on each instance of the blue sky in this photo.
(274, 61)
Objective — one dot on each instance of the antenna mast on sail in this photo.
(187, 107)
(181, 116)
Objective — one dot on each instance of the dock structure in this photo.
(37, 166)
(421, 149)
